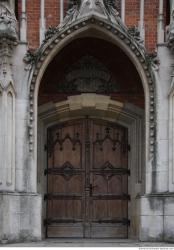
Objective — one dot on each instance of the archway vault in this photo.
(93, 26)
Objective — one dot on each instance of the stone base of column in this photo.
(20, 217)
(156, 217)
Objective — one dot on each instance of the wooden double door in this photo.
(87, 180)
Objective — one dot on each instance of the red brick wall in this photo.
(151, 16)
(52, 9)
(132, 12)
(33, 22)
(132, 17)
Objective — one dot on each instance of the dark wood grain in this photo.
(87, 176)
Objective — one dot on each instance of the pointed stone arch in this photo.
(114, 34)
(95, 26)
(7, 127)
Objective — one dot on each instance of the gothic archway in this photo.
(95, 25)
(91, 84)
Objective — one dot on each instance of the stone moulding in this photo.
(127, 39)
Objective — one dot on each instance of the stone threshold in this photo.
(89, 243)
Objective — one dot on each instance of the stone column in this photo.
(12, 4)
(23, 24)
(20, 212)
(123, 10)
(61, 10)
(8, 39)
(141, 23)
(161, 22)
(42, 20)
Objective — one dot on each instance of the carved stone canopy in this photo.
(8, 23)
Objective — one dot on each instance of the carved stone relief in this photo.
(88, 75)
(8, 23)
(104, 8)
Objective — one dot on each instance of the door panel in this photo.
(87, 193)
(65, 190)
(109, 180)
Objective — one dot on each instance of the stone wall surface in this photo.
(20, 215)
(156, 218)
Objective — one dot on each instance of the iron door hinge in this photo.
(45, 147)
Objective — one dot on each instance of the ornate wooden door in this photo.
(87, 176)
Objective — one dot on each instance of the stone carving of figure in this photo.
(113, 14)
(8, 22)
(88, 6)
(170, 27)
(72, 13)
(170, 30)
(171, 6)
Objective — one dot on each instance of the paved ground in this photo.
(90, 243)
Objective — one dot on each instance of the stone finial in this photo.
(8, 23)
(170, 32)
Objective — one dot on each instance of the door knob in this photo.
(92, 188)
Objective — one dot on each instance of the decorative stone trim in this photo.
(125, 37)
(8, 39)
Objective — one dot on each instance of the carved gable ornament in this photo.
(8, 23)
(88, 75)
(102, 8)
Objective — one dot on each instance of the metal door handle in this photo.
(91, 188)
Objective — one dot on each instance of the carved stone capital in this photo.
(8, 22)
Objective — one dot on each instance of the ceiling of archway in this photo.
(91, 65)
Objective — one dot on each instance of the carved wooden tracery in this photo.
(88, 175)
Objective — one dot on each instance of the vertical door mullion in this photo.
(87, 177)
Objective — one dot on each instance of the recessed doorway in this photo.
(87, 179)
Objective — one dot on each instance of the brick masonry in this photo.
(132, 16)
